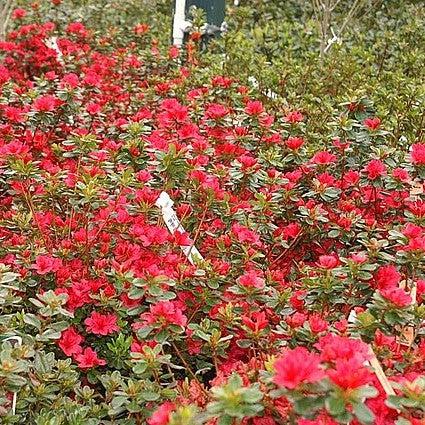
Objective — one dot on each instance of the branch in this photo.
(5, 14)
(356, 5)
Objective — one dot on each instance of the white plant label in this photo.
(173, 223)
(18, 342)
(52, 43)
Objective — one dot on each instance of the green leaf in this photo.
(118, 401)
(225, 420)
(31, 319)
(367, 391)
(140, 367)
(150, 395)
(307, 406)
(244, 343)
(363, 413)
(335, 405)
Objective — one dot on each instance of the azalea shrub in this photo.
(310, 269)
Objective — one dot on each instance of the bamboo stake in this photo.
(374, 363)
(379, 372)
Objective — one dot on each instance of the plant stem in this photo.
(187, 366)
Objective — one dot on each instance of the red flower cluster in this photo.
(295, 236)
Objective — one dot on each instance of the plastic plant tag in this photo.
(52, 43)
(173, 223)
(15, 341)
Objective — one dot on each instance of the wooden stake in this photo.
(379, 372)
(374, 363)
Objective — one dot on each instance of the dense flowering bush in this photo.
(119, 327)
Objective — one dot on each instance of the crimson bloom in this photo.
(216, 111)
(256, 322)
(251, 279)
(417, 154)
(335, 347)
(297, 366)
(19, 13)
(372, 123)
(88, 359)
(254, 107)
(397, 296)
(348, 375)
(70, 342)
(244, 234)
(317, 324)
(165, 313)
(47, 103)
(387, 277)
(46, 263)
(323, 158)
(101, 324)
(294, 143)
(161, 416)
(375, 169)
(294, 117)
(328, 262)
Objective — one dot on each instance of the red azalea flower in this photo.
(70, 342)
(323, 158)
(382, 340)
(296, 320)
(417, 154)
(291, 231)
(256, 322)
(93, 108)
(77, 28)
(349, 375)
(297, 299)
(412, 230)
(294, 143)
(216, 111)
(387, 277)
(297, 366)
(173, 52)
(401, 174)
(165, 312)
(88, 359)
(141, 29)
(13, 113)
(46, 103)
(264, 420)
(375, 169)
(420, 289)
(46, 263)
(182, 238)
(101, 324)
(358, 257)
(294, 117)
(397, 296)
(251, 279)
(328, 262)
(317, 324)
(254, 107)
(19, 13)
(322, 419)
(244, 234)
(161, 416)
(335, 347)
(372, 123)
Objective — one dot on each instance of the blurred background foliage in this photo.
(379, 55)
